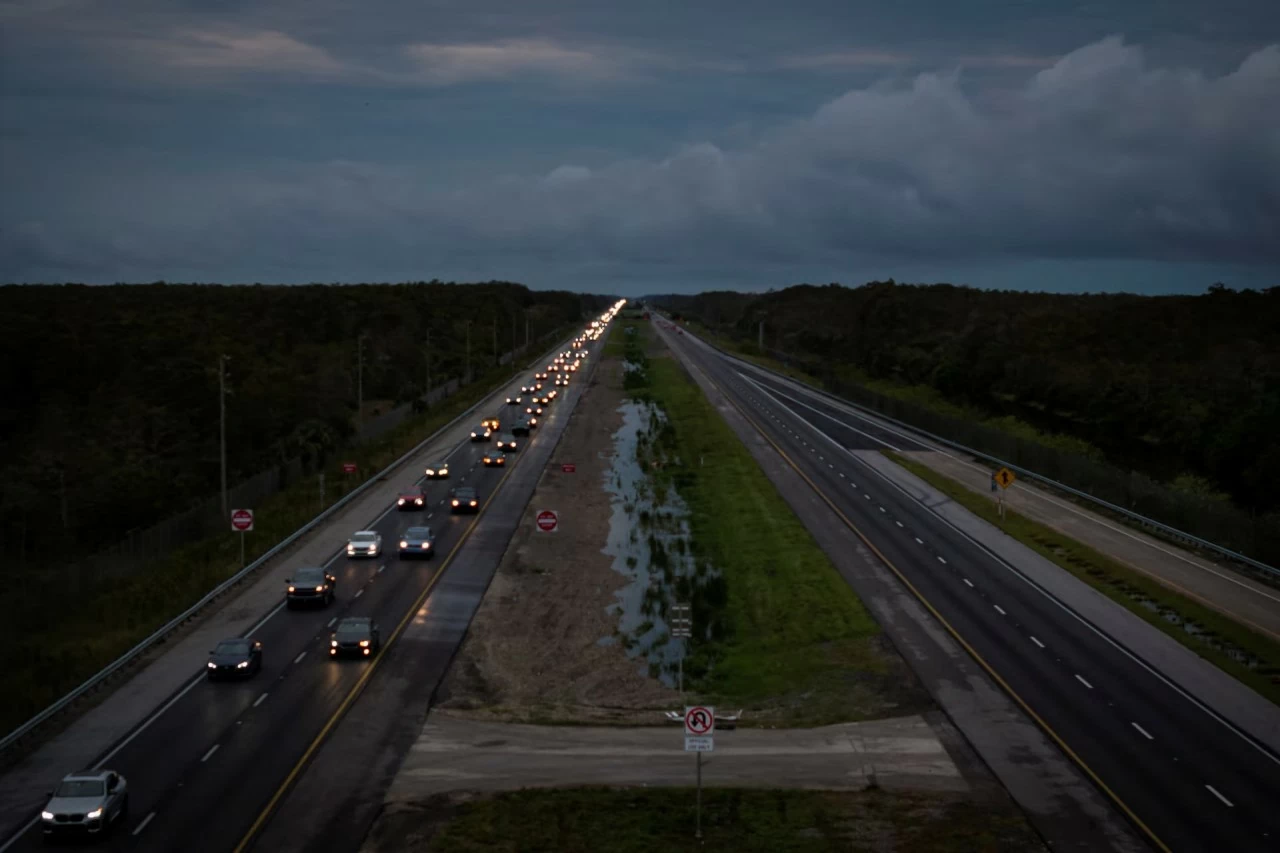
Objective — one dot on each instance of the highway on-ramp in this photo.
(1185, 776)
(204, 765)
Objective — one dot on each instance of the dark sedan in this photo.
(464, 499)
(522, 427)
(417, 542)
(238, 658)
(355, 636)
(311, 585)
(414, 497)
(495, 459)
(507, 443)
(480, 433)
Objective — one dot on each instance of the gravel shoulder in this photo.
(540, 647)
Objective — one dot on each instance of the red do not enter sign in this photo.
(548, 520)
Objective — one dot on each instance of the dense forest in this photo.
(109, 397)
(1166, 385)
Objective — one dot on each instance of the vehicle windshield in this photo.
(232, 647)
(308, 576)
(418, 533)
(81, 788)
(363, 537)
(465, 493)
(352, 632)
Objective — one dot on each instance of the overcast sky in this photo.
(634, 147)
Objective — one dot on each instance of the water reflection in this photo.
(649, 541)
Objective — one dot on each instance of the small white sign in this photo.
(699, 744)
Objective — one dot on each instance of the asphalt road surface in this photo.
(1195, 782)
(213, 756)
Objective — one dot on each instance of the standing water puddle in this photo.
(649, 543)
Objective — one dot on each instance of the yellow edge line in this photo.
(952, 631)
(359, 686)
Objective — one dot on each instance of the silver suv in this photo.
(89, 801)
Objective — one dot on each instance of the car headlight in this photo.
(430, 473)
(473, 435)
(244, 664)
(320, 589)
(418, 501)
(47, 815)
(400, 502)
(95, 814)
(426, 544)
(364, 644)
(455, 503)
(351, 549)
(404, 544)
(473, 503)
(212, 665)
(291, 589)
(333, 643)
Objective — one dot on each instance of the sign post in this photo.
(242, 523)
(682, 629)
(547, 521)
(699, 737)
(1004, 479)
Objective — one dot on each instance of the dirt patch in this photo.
(541, 647)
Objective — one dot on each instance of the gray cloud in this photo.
(1100, 155)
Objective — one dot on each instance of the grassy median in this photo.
(64, 643)
(1202, 629)
(579, 820)
(790, 639)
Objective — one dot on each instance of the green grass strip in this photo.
(1121, 583)
(81, 635)
(643, 820)
(789, 633)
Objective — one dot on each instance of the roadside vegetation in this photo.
(1167, 405)
(1249, 656)
(777, 630)
(58, 645)
(585, 820)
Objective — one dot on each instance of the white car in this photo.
(364, 543)
(86, 802)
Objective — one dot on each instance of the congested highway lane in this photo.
(209, 759)
(1196, 782)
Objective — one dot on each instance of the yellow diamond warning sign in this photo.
(1004, 477)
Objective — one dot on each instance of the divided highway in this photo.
(204, 765)
(1187, 778)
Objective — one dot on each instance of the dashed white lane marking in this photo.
(1143, 731)
(999, 610)
(867, 496)
(146, 820)
(969, 582)
(1037, 642)
(211, 751)
(882, 509)
(941, 560)
(329, 624)
(842, 476)
(899, 523)
(1080, 678)
(829, 465)
(359, 593)
(431, 513)
(919, 541)
(300, 656)
(260, 700)
(1214, 791)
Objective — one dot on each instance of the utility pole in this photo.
(360, 384)
(222, 428)
(760, 339)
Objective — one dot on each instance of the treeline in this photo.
(1185, 389)
(109, 402)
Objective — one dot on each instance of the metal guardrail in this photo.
(122, 661)
(1151, 523)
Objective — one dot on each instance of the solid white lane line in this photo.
(300, 656)
(969, 582)
(329, 624)
(1037, 642)
(824, 414)
(359, 593)
(919, 541)
(1143, 731)
(941, 560)
(1214, 791)
(1080, 678)
(260, 700)
(146, 820)
(999, 610)
(211, 751)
